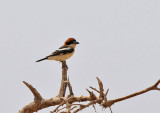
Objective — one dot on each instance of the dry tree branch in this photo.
(70, 88)
(44, 103)
(63, 87)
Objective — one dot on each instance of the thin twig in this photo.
(84, 106)
(73, 108)
(62, 103)
(66, 107)
(140, 92)
(104, 102)
(94, 89)
(110, 109)
(70, 87)
(94, 108)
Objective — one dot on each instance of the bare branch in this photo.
(37, 96)
(70, 87)
(154, 87)
(63, 87)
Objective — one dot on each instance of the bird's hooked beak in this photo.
(76, 42)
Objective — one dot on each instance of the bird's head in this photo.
(71, 42)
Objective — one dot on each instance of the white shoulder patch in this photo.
(63, 49)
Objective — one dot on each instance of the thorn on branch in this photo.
(92, 95)
(106, 93)
(37, 96)
(100, 88)
(94, 89)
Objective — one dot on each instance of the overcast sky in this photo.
(119, 43)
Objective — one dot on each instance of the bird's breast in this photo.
(61, 57)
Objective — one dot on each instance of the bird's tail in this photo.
(42, 59)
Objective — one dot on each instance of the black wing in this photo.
(62, 51)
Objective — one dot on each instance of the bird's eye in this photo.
(70, 42)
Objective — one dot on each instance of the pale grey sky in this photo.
(119, 43)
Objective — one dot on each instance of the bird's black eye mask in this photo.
(70, 42)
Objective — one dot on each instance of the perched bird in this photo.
(64, 52)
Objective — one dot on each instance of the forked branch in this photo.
(71, 100)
